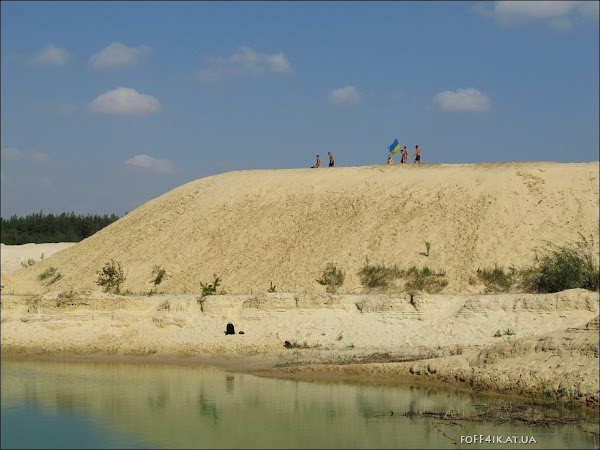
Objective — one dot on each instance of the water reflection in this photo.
(201, 407)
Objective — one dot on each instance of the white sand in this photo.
(284, 226)
(15, 256)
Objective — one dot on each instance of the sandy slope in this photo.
(284, 226)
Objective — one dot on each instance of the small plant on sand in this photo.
(427, 247)
(509, 332)
(111, 277)
(332, 278)
(272, 287)
(49, 276)
(563, 267)
(211, 289)
(28, 263)
(497, 333)
(158, 274)
(378, 276)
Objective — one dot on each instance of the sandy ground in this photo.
(283, 226)
(16, 256)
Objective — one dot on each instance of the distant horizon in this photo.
(98, 118)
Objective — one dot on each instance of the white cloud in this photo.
(126, 102)
(16, 154)
(51, 55)
(117, 54)
(469, 99)
(557, 14)
(245, 62)
(151, 164)
(344, 96)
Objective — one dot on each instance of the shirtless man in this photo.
(318, 164)
(417, 154)
(330, 159)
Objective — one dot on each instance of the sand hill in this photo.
(284, 226)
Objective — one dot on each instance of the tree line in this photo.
(40, 228)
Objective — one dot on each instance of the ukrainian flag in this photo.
(394, 147)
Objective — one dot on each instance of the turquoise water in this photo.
(61, 404)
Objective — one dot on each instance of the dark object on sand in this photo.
(287, 344)
(241, 332)
(230, 329)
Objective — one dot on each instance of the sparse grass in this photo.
(425, 279)
(497, 279)
(30, 262)
(509, 332)
(427, 247)
(340, 337)
(296, 344)
(378, 276)
(498, 333)
(332, 277)
(272, 287)
(51, 275)
(158, 274)
(111, 277)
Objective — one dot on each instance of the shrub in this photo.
(211, 289)
(496, 279)
(565, 267)
(377, 276)
(111, 277)
(332, 278)
(51, 274)
(158, 274)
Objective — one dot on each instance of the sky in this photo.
(106, 105)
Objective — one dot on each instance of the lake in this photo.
(82, 404)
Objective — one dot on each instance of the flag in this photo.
(394, 147)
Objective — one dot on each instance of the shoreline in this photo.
(437, 340)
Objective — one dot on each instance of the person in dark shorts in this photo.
(318, 164)
(331, 162)
(417, 154)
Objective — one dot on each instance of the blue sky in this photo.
(106, 105)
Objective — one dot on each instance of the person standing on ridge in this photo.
(390, 160)
(318, 164)
(331, 162)
(417, 155)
